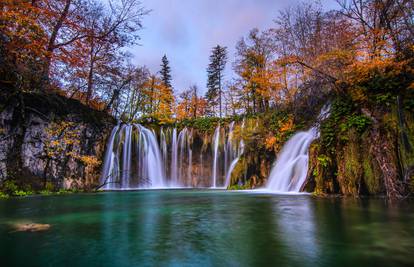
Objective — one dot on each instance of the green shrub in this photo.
(45, 192)
(49, 186)
(22, 193)
(9, 187)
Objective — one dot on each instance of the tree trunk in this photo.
(52, 40)
(382, 148)
(90, 82)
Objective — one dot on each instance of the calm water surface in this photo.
(206, 228)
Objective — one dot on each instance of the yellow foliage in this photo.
(270, 142)
(63, 139)
(89, 160)
(287, 126)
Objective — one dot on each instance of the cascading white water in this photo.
(182, 142)
(148, 171)
(174, 158)
(136, 159)
(290, 170)
(234, 163)
(233, 154)
(216, 140)
(109, 161)
(126, 156)
(164, 149)
(190, 158)
(151, 158)
(228, 148)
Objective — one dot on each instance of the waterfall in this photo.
(233, 152)
(151, 159)
(164, 149)
(234, 163)
(216, 140)
(228, 148)
(148, 161)
(174, 158)
(182, 141)
(137, 157)
(126, 156)
(108, 166)
(290, 170)
(190, 158)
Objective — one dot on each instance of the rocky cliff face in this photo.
(48, 139)
(369, 154)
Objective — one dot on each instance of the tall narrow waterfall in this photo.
(291, 167)
(108, 171)
(216, 139)
(174, 158)
(233, 153)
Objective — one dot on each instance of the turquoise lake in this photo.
(206, 228)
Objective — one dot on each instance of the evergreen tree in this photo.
(166, 72)
(218, 60)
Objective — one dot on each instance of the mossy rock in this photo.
(350, 169)
(239, 172)
(320, 177)
(372, 175)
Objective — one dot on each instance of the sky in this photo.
(186, 31)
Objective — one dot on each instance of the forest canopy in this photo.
(78, 48)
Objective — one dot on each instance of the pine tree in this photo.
(218, 60)
(166, 72)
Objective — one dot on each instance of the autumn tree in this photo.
(215, 73)
(384, 26)
(233, 98)
(22, 44)
(183, 109)
(253, 63)
(190, 104)
(313, 48)
(197, 103)
(73, 41)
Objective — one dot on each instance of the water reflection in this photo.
(297, 228)
(207, 228)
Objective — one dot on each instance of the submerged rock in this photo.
(31, 227)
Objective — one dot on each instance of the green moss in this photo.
(45, 192)
(239, 171)
(349, 165)
(9, 187)
(372, 176)
(406, 148)
(240, 187)
(321, 165)
(21, 193)
(49, 186)
(245, 186)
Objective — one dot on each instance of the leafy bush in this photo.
(359, 122)
(324, 160)
(49, 186)
(9, 187)
(22, 193)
